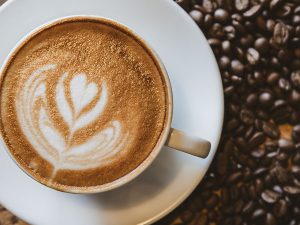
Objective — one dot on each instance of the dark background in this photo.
(255, 176)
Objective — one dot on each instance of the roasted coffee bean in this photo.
(252, 192)
(284, 84)
(226, 46)
(233, 109)
(252, 56)
(208, 6)
(270, 25)
(257, 153)
(273, 78)
(270, 219)
(284, 55)
(280, 174)
(221, 16)
(208, 20)
(261, 45)
(247, 117)
(240, 142)
(296, 170)
(296, 182)
(235, 177)
(271, 130)
(251, 99)
(259, 186)
(294, 117)
(216, 31)
(284, 11)
(229, 91)
(230, 32)
(197, 16)
(241, 5)
(295, 78)
(222, 163)
(224, 62)
(240, 130)
(296, 20)
(275, 3)
(270, 196)
(237, 67)
(255, 79)
(258, 213)
(280, 208)
(296, 133)
(257, 139)
(214, 42)
(246, 41)
(236, 17)
(281, 33)
(239, 54)
(261, 21)
(285, 144)
(295, 97)
(266, 99)
(258, 124)
(271, 146)
(292, 190)
(273, 154)
(236, 79)
(278, 104)
(248, 208)
(296, 158)
(260, 171)
(278, 189)
(253, 11)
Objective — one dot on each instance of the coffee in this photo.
(83, 103)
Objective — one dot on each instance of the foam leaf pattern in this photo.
(85, 106)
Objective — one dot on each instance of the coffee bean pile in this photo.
(255, 176)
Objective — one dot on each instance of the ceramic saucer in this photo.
(198, 109)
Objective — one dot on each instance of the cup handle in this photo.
(188, 144)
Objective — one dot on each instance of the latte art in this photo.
(33, 115)
(83, 103)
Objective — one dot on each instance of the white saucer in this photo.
(198, 109)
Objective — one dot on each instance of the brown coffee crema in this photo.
(83, 103)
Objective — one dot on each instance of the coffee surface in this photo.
(83, 103)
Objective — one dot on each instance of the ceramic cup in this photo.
(171, 137)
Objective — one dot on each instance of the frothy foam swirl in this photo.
(77, 111)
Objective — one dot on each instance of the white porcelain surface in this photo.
(198, 109)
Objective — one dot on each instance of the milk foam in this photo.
(34, 117)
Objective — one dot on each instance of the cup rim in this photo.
(163, 136)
